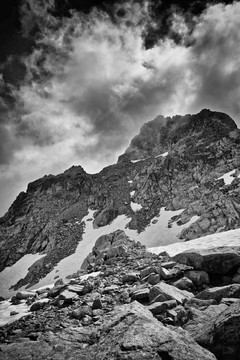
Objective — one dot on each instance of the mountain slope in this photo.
(174, 163)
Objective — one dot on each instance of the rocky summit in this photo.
(105, 295)
(132, 304)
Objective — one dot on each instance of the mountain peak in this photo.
(159, 135)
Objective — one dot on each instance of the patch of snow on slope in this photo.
(11, 275)
(130, 181)
(228, 178)
(5, 309)
(155, 234)
(226, 238)
(158, 232)
(132, 193)
(135, 161)
(72, 263)
(135, 206)
(93, 274)
(162, 155)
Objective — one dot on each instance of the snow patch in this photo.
(226, 238)
(132, 193)
(6, 308)
(228, 178)
(12, 274)
(93, 274)
(72, 263)
(158, 232)
(162, 155)
(130, 181)
(135, 206)
(135, 161)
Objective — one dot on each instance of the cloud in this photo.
(91, 83)
(215, 57)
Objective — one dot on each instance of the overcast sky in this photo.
(89, 82)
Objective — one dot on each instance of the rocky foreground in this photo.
(139, 306)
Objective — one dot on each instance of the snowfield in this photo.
(226, 238)
(12, 274)
(157, 237)
(6, 308)
(156, 234)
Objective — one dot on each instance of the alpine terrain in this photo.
(140, 261)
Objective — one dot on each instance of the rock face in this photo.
(182, 161)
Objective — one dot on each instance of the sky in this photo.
(78, 82)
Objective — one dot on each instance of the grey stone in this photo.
(169, 292)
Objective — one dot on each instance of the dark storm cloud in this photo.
(103, 82)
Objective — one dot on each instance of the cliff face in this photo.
(174, 163)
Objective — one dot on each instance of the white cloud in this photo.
(91, 84)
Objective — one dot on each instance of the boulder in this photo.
(116, 251)
(226, 333)
(168, 264)
(23, 295)
(132, 332)
(236, 279)
(169, 292)
(167, 274)
(78, 289)
(199, 278)
(97, 304)
(217, 293)
(105, 216)
(153, 279)
(14, 312)
(217, 261)
(202, 323)
(177, 316)
(38, 305)
(140, 294)
(81, 312)
(68, 296)
(184, 283)
(198, 303)
(102, 244)
(160, 307)
(55, 291)
(130, 277)
(149, 270)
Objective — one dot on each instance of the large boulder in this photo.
(132, 332)
(220, 292)
(226, 334)
(201, 325)
(23, 295)
(164, 292)
(217, 261)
